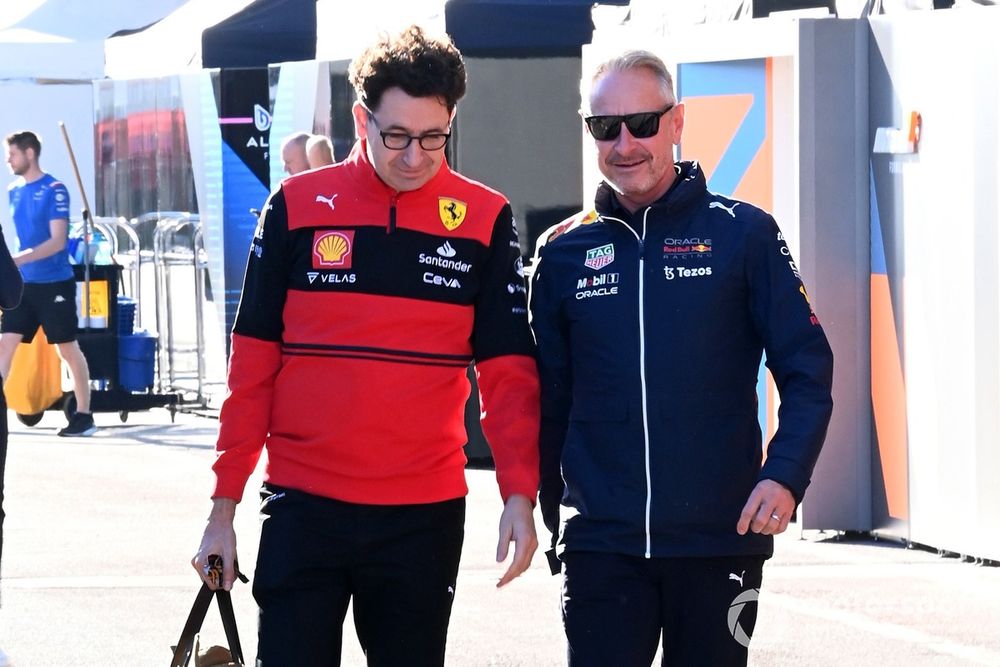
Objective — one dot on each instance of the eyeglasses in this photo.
(398, 141)
(640, 125)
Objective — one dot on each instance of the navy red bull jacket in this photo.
(362, 309)
(650, 330)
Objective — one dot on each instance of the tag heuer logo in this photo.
(451, 212)
(598, 258)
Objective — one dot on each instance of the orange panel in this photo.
(889, 399)
(757, 184)
(710, 123)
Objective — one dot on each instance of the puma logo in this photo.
(727, 209)
(327, 200)
(732, 575)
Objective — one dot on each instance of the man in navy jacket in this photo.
(651, 313)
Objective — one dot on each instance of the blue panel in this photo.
(736, 77)
(878, 246)
(241, 191)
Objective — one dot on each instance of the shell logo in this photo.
(332, 249)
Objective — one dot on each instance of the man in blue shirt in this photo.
(39, 205)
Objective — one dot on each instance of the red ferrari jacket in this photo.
(362, 309)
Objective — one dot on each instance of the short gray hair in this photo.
(627, 61)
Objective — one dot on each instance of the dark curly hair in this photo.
(420, 65)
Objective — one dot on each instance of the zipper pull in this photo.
(392, 214)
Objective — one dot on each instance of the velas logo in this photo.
(452, 212)
(332, 249)
(598, 258)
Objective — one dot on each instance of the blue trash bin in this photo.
(137, 360)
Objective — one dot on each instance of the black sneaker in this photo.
(80, 424)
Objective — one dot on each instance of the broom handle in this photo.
(86, 227)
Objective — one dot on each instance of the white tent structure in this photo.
(173, 46)
(50, 51)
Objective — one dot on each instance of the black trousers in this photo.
(616, 608)
(398, 564)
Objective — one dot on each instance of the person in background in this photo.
(319, 151)
(39, 205)
(11, 286)
(370, 287)
(651, 312)
(293, 153)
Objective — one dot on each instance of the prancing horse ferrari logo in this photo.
(452, 212)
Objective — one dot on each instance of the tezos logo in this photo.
(670, 272)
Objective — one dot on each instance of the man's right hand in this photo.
(219, 539)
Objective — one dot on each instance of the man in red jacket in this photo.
(371, 285)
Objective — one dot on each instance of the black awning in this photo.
(263, 33)
(521, 28)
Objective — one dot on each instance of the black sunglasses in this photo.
(640, 125)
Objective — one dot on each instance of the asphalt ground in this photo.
(99, 533)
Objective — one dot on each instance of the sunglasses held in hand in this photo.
(640, 125)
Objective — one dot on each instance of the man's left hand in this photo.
(768, 510)
(517, 525)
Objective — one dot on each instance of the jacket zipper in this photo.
(392, 214)
(642, 368)
(642, 377)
